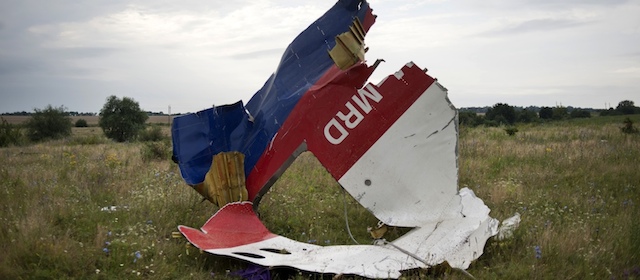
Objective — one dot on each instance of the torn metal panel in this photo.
(407, 113)
(458, 238)
(508, 226)
(458, 241)
(273, 250)
(392, 146)
(401, 165)
(421, 176)
(304, 64)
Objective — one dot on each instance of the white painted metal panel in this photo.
(409, 176)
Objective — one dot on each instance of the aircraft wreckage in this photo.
(391, 145)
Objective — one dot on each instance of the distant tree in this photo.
(526, 116)
(23, 113)
(477, 110)
(546, 113)
(9, 133)
(559, 113)
(501, 113)
(81, 123)
(122, 119)
(469, 118)
(50, 123)
(579, 113)
(609, 112)
(627, 107)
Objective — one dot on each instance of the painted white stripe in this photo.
(409, 176)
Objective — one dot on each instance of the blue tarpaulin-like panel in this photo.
(198, 137)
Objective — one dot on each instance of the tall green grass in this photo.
(87, 208)
(576, 184)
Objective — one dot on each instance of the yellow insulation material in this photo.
(225, 180)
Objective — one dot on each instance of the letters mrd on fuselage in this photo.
(337, 129)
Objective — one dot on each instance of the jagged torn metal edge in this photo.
(450, 225)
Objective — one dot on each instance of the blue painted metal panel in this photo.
(199, 136)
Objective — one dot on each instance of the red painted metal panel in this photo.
(233, 225)
(336, 97)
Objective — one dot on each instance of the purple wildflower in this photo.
(538, 251)
(137, 256)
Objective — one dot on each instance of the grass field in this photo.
(95, 209)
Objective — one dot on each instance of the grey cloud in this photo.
(84, 52)
(535, 25)
(556, 3)
(544, 4)
(259, 53)
(24, 13)
(82, 72)
(17, 65)
(633, 54)
(52, 61)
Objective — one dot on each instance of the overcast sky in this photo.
(191, 54)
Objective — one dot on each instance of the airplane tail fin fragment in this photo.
(392, 145)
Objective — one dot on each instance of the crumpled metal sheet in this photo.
(404, 171)
(392, 146)
(458, 240)
(199, 136)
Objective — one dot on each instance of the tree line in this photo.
(69, 113)
(505, 114)
(121, 119)
(82, 114)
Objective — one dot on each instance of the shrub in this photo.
(81, 123)
(9, 134)
(469, 118)
(153, 133)
(122, 119)
(50, 123)
(578, 113)
(526, 116)
(610, 112)
(501, 113)
(628, 127)
(511, 131)
(159, 150)
(491, 123)
(560, 113)
(88, 140)
(546, 113)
